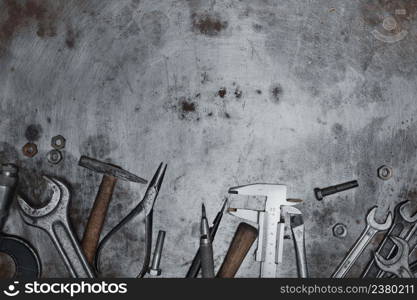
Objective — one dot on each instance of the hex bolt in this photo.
(154, 270)
(58, 142)
(54, 156)
(385, 172)
(30, 149)
(321, 193)
(340, 230)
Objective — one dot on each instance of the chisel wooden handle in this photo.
(242, 241)
(97, 217)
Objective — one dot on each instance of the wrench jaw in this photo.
(404, 212)
(370, 219)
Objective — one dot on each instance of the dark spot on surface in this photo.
(210, 25)
(259, 92)
(48, 120)
(210, 114)
(238, 93)
(33, 132)
(337, 129)
(23, 13)
(257, 27)
(8, 153)
(227, 115)
(222, 92)
(198, 95)
(12, 69)
(276, 92)
(187, 106)
(70, 38)
(204, 77)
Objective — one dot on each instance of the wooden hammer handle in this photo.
(244, 237)
(97, 216)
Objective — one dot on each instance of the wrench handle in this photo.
(70, 251)
(355, 252)
(97, 216)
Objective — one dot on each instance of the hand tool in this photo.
(404, 226)
(297, 229)
(154, 270)
(242, 241)
(196, 263)
(145, 206)
(321, 193)
(398, 265)
(101, 204)
(206, 248)
(271, 229)
(26, 260)
(372, 227)
(53, 218)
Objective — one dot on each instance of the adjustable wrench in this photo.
(398, 265)
(372, 227)
(402, 227)
(53, 218)
(297, 229)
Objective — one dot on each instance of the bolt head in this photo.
(54, 156)
(318, 194)
(30, 149)
(155, 272)
(58, 142)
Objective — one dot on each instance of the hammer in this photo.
(101, 204)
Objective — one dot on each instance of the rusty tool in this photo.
(146, 207)
(397, 265)
(53, 219)
(101, 204)
(196, 263)
(242, 241)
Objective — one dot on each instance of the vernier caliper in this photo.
(271, 225)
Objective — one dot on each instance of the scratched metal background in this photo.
(227, 93)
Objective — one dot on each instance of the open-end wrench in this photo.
(402, 227)
(398, 265)
(297, 229)
(372, 227)
(53, 218)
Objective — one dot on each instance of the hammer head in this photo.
(108, 169)
(275, 193)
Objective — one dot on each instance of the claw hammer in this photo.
(271, 227)
(101, 204)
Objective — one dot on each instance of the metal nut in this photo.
(30, 150)
(58, 142)
(340, 230)
(54, 156)
(385, 172)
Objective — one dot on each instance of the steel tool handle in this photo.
(242, 241)
(69, 249)
(207, 261)
(355, 252)
(300, 251)
(97, 216)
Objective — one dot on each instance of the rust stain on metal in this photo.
(222, 92)
(187, 106)
(375, 11)
(210, 25)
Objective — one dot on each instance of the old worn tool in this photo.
(372, 227)
(154, 269)
(242, 241)
(206, 248)
(399, 264)
(25, 258)
(297, 230)
(321, 193)
(145, 206)
(271, 227)
(196, 263)
(404, 226)
(101, 204)
(53, 218)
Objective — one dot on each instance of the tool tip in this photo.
(203, 211)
